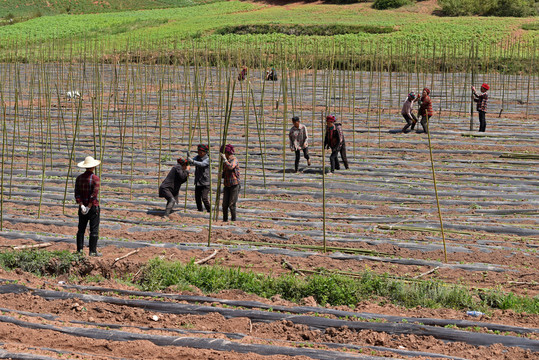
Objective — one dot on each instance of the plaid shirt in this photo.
(481, 99)
(299, 137)
(87, 189)
(231, 172)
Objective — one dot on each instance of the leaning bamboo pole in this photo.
(228, 112)
(436, 188)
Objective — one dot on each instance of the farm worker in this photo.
(407, 113)
(170, 187)
(425, 109)
(231, 179)
(202, 176)
(86, 195)
(243, 73)
(299, 140)
(271, 75)
(481, 100)
(334, 140)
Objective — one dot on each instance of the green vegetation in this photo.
(28, 9)
(39, 262)
(518, 8)
(390, 4)
(351, 31)
(329, 288)
(304, 30)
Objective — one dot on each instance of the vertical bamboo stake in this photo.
(4, 136)
(323, 183)
(160, 120)
(209, 159)
(472, 64)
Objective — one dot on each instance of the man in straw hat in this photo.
(170, 187)
(86, 193)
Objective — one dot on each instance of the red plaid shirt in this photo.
(481, 99)
(87, 189)
(231, 172)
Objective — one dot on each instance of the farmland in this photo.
(353, 265)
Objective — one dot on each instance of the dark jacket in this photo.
(174, 180)
(334, 138)
(202, 170)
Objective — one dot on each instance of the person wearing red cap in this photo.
(334, 140)
(425, 109)
(243, 73)
(202, 177)
(170, 187)
(481, 100)
(231, 180)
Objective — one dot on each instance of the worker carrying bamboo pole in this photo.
(86, 194)
(202, 176)
(299, 141)
(170, 187)
(407, 112)
(425, 109)
(231, 180)
(334, 140)
(481, 99)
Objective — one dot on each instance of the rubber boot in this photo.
(80, 242)
(233, 214)
(225, 215)
(93, 245)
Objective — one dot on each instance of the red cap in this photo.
(485, 86)
(330, 118)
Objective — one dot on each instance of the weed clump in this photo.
(39, 262)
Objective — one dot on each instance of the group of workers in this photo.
(426, 112)
(87, 184)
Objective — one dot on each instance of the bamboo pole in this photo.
(436, 188)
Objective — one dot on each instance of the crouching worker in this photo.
(86, 195)
(271, 75)
(170, 187)
(407, 113)
(231, 179)
(202, 177)
(299, 141)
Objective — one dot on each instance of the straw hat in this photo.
(89, 162)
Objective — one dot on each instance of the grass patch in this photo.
(304, 30)
(330, 289)
(531, 26)
(40, 262)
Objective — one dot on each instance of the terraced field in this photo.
(379, 217)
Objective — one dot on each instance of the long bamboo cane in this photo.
(4, 136)
(228, 112)
(436, 189)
